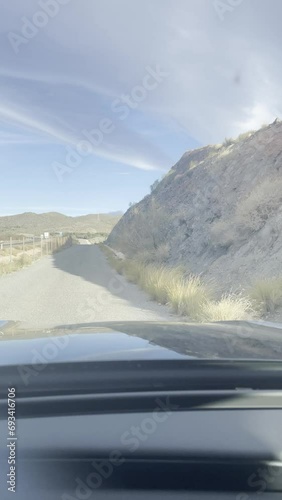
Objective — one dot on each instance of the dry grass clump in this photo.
(266, 295)
(11, 267)
(245, 135)
(230, 307)
(158, 281)
(20, 259)
(187, 295)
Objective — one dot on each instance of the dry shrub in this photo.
(266, 295)
(229, 308)
(259, 205)
(245, 135)
(158, 255)
(189, 296)
(158, 280)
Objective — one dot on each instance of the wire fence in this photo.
(17, 252)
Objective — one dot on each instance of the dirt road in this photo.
(74, 286)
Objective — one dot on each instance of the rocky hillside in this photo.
(31, 223)
(218, 211)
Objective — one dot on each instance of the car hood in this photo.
(139, 340)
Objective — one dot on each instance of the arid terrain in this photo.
(223, 211)
(36, 224)
(218, 214)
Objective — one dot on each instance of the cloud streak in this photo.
(224, 77)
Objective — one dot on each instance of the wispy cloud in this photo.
(56, 79)
(224, 77)
(56, 123)
(219, 73)
(23, 118)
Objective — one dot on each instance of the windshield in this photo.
(141, 181)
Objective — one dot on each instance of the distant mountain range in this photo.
(32, 223)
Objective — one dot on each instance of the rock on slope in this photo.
(224, 210)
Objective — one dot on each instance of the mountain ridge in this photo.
(223, 206)
(34, 223)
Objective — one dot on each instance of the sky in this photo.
(98, 99)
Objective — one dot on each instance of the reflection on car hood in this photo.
(140, 340)
(79, 346)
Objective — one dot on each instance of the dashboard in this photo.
(149, 442)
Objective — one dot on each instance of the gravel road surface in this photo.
(74, 286)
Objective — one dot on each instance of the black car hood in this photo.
(140, 340)
(91, 346)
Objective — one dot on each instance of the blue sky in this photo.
(146, 81)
